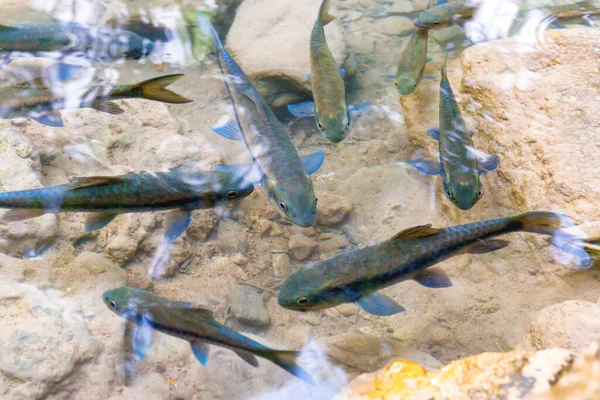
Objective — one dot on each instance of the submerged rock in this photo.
(570, 325)
(270, 41)
(301, 246)
(232, 236)
(332, 209)
(248, 307)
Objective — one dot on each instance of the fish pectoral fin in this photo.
(359, 107)
(21, 215)
(312, 162)
(176, 224)
(288, 360)
(88, 181)
(434, 133)
(52, 119)
(248, 357)
(200, 350)
(416, 232)
(425, 166)
(379, 304)
(434, 278)
(142, 339)
(487, 163)
(107, 107)
(250, 172)
(230, 130)
(343, 72)
(309, 76)
(99, 220)
(61, 72)
(304, 109)
(486, 246)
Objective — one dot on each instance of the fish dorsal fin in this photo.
(87, 181)
(7, 28)
(417, 232)
(200, 313)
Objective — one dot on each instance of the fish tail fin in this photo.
(542, 222)
(156, 89)
(208, 30)
(288, 361)
(325, 12)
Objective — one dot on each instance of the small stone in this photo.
(248, 307)
(301, 246)
(401, 7)
(232, 236)
(281, 264)
(240, 259)
(332, 209)
(203, 223)
(333, 245)
(395, 26)
(348, 309)
(360, 44)
(420, 4)
(310, 319)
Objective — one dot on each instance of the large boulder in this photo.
(270, 40)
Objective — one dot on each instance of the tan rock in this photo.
(332, 209)
(270, 40)
(281, 264)
(570, 325)
(396, 26)
(301, 246)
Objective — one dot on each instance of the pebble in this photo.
(401, 7)
(248, 307)
(332, 209)
(395, 26)
(310, 319)
(301, 246)
(281, 264)
(232, 237)
(360, 43)
(240, 259)
(348, 309)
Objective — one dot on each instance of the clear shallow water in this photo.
(54, 274)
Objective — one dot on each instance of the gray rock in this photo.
(301, 246)
(281, 264)
(248, 307)
(232, 237)
(395, 26)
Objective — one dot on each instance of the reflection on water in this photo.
(139, 153)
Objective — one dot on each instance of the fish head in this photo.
(405, 84)
(235, 188)
(307, 290)
(125, 301)
(131, 45)
(463, 193)
(433, 18)
(334, 126)
(295, 199)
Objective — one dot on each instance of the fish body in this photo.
(195, 325)
(105, 197)
(443, 15)
(282, 174)
(40, 102)
(356, 275)
(96, 42)
(412, 63)
(459, 165)
(329, 92)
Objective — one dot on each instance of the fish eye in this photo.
(435, 23)
(449, 193)
(283, 206)
(113, 305)
(395, 84)
(302, 301)
(316, 200)
(319, 125)
(232, 194)
(480, 193)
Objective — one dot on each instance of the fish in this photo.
(106, 197)
(193, 324)
(283, 175)
(329, 107)
(357, 275)
(41, 103)
(412, 63)
(443, 15)
(96, 42)
(460, 165)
